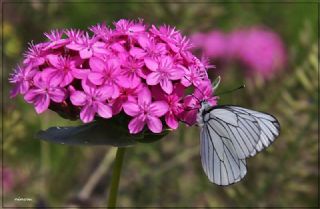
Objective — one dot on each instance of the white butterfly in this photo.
(229, 135)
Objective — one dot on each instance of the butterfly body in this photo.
(229, 135)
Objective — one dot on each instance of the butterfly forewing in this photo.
(231, 134)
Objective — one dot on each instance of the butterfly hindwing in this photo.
(220, 170)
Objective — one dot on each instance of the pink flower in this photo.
(101, 31)
(126, 94)
(260, 49)
(41, 93)
(149, 48)
(35, 56)
(174, 103)
(183, 43)
(192, 103)
(144, 111)
(129, 28)
(163, 72)
(98, 75)
(132, 72)
(214, 44)
(63, 70)
(92, 101)
(88, 47)
(193, 76)
(21, 78)
(8, 176)
(73, 34)
(107, 74)
(56, 41)
(167, 34)
(198, 39)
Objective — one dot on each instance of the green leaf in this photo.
(99, 132)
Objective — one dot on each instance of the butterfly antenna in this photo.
(232, 90)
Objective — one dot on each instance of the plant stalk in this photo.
(112, 199)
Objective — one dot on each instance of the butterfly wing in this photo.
(220, 163)
(231, 134)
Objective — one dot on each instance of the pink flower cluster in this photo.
(261, 50)
(142, 71)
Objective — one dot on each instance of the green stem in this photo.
(112, 200)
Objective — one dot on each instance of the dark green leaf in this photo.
(99, 132)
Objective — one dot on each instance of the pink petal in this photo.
(137, 28)
(131, 108)
(153, 78)
(116, 91)
(103, 93)
(68, 78)
(144, 41)
(151, 64)
(186, 81)
(136, 125)
(171, 121)
(30, 95)
(203, 90)
(137, 52)
(49, 72)
(38, 61)
(154, 124)
(87, 113)
(189, 117)
(117, 105)
(96, 78)
(75, 46)
(78, 98)
(24, 87)
(166, 85)
(97, 65)
(88, 86)
(86, 53)
(99, 44)
(104, 110)
(158, 108)
(191, 101)
(118, 47)
(54, 61)
(40, 80)
(114, 63)
(100, 48)
(143, 72)
(161, 48)
(176, 74)
(42, 103)
(57, 78)
(57, 94)
(144, 97)
(15, 91)
(80, 73)
(100, 51)
(134, 80)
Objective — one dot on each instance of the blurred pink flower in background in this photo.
(7, 179)
(260, 49)
(213, 44)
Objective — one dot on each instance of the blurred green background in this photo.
(168, 172)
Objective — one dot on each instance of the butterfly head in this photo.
(205, 107)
